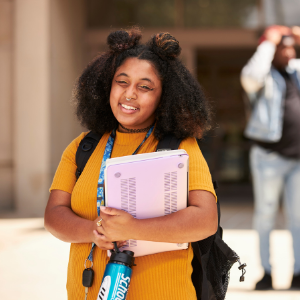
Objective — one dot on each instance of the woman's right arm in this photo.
(64, 224)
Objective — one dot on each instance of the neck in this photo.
(128, 130)
(279, 67)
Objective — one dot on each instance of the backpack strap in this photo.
(216, 185)
(169, 142)
(85, 150)
(91, 140)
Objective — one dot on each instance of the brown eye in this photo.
(146, 87)
(121, 82)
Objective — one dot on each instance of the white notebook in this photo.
(148, 185)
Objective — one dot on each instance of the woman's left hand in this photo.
(116, 224)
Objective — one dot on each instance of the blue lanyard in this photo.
(100, 189)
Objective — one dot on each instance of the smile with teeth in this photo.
(128, 107)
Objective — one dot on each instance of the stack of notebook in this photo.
(146, 186)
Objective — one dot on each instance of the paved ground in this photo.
(34, 263)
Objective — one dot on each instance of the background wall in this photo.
(45, 44)
(41, 55)
(6, 134)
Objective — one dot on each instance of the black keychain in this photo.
(87, 279)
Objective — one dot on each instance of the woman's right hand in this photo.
(100, 240)
(103, 245)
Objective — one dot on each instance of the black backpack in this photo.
(213, 258)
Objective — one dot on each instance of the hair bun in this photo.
(165, 45)
(121, 40)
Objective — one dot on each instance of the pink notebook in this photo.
(148, 185)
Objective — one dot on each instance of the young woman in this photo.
(130, 94)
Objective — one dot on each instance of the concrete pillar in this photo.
(32, 105)
(67, 56)
(47, 60)
(6, 157)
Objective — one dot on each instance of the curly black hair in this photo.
(183, 110)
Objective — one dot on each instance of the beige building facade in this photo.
(44, 46)
(41, 51)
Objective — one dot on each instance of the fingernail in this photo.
(102, 208)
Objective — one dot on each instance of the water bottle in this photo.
(117, 275)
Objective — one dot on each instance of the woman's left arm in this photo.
(196, 222)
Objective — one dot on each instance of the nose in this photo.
(131, 93)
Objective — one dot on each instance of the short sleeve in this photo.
(65, 178)
(199, 174)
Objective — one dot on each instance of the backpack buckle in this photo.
(87, 146)
(77, 173)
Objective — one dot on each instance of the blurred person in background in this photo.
(271, 79)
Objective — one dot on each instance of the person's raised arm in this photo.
(259, 65)
(295, 63)
(296, 34)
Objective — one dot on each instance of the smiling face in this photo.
(138, 81)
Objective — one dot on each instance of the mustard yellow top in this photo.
(160, 276)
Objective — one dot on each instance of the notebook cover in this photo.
(148, 185)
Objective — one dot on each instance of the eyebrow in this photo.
(146, 79)
(122, 74)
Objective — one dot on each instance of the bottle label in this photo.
(115, 282)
